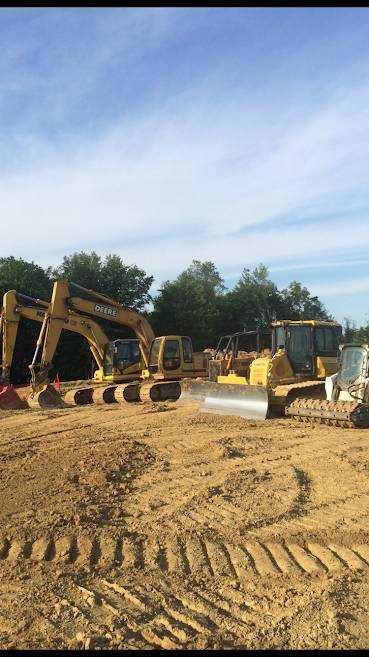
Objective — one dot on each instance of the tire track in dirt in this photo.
(158, 617)
(218, 512)
(186, 556)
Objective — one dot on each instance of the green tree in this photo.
(300, 304)
(31, 279)
(189, 304)
(82, 268)
(25, 277)
(362, 334)
(253, 302)
(127, 284)
(349, 330)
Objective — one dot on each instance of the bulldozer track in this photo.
(187, 556)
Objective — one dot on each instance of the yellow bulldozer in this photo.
(303, 353)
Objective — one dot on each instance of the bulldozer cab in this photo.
(122, 357)
(235, 351)
(241, 341)
(305, 342)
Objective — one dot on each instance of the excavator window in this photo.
(127, 353)
(172, 357)
(154, 353)
(187, 350)
(108, 359)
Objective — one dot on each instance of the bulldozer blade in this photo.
(195, 389)
(251, 402)
(48, 397)
(10, 400)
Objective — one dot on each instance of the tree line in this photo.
(195, 303)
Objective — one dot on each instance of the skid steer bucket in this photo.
(250, 402)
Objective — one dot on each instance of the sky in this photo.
(235, 135)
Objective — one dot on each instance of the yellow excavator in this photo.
(164, 360)
(303, 353)
(117, 360)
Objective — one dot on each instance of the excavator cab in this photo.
(122, 357)
(169, 356)
(172, 357)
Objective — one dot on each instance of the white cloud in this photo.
(341, 288)
(197, 174)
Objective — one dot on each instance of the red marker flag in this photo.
(57, 382)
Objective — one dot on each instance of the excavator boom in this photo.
(62, 312)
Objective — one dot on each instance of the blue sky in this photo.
(233, 135)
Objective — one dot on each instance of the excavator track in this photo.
(339, 414)
(160, 391)
(104, 394)
(79, 396)
(127, 392)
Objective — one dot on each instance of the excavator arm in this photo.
(16, 305)
(104, 307)
(62, 313)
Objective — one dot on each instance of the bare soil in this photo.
(154, 526)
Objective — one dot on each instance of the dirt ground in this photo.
(154, 526)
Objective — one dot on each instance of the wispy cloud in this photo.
(201, 176)
(343, 288)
